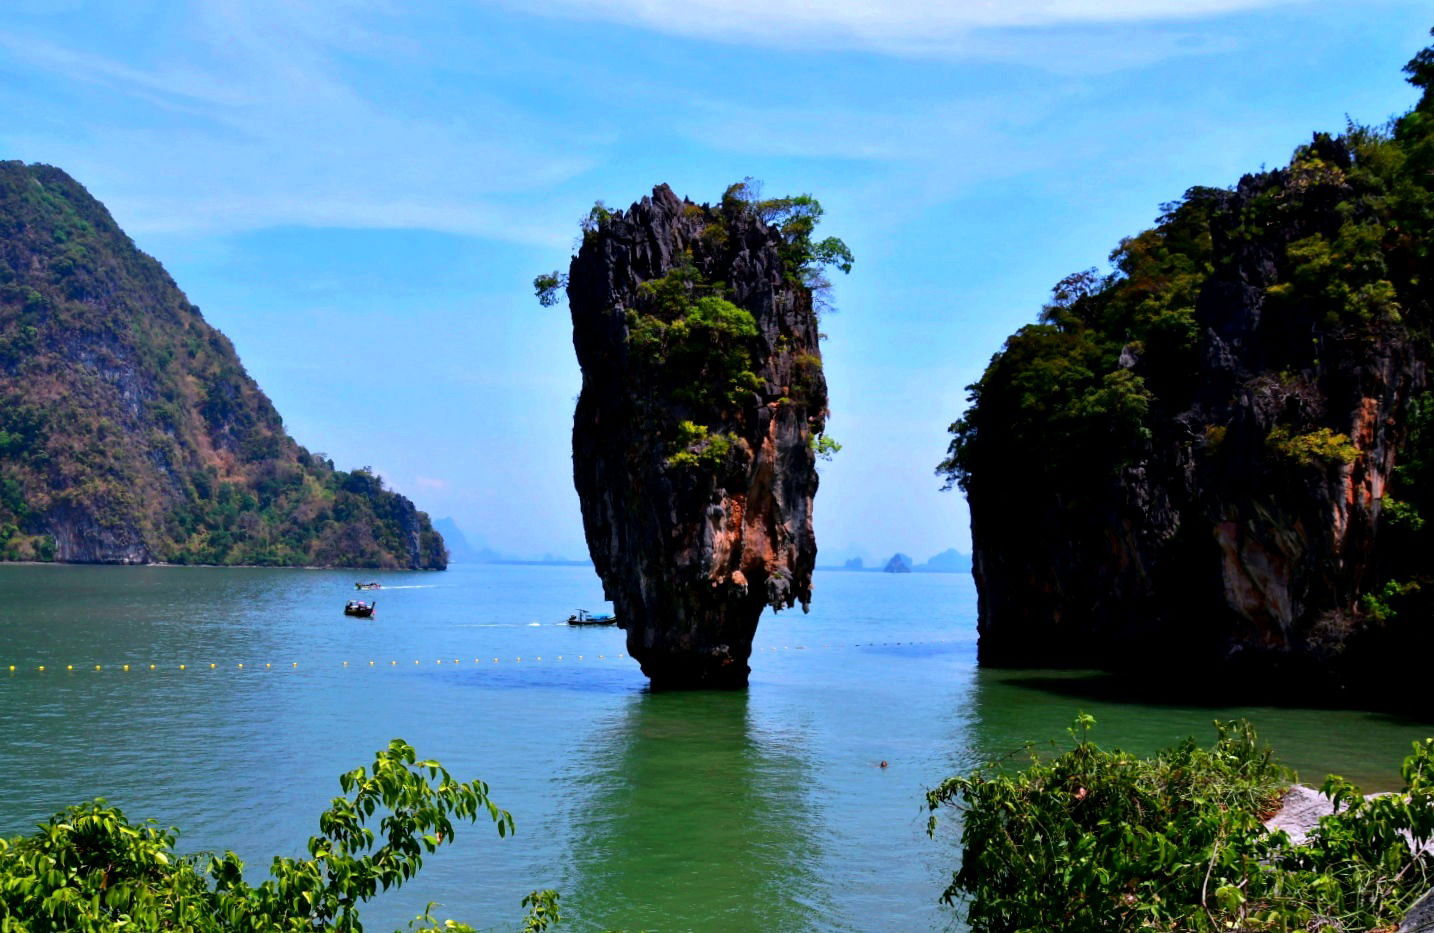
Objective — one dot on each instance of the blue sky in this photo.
(359, 192)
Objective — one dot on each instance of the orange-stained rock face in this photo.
(691, 554)
(1215, 539)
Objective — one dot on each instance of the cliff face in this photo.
(695, 434)
(129, 430)
(1195, 460)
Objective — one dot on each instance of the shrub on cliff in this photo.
(1094, 840)
(90, 869)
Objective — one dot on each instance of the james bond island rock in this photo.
(700, 421)
(1222, 453)
(129, 430)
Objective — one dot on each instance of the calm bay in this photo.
(710, 811)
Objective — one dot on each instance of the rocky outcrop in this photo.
(1208, 489)
(1301, 809)
(694, 435)
(129, 430)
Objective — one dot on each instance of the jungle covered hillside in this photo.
(129, 430)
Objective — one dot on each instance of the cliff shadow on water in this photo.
(1010, 707)
(688, 815)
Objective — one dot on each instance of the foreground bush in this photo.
(91, 869)
(1096, 840)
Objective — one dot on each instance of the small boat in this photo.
(357, 607)
(583, 617)
(368, 586)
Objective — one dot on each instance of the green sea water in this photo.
(763, 810)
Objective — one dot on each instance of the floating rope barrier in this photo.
(454, 662)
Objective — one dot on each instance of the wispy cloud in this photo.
(900, 27)
(256, 116)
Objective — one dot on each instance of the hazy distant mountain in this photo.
(948, 561)
(459, 550)
(899, 563)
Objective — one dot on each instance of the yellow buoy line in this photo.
(394, 663)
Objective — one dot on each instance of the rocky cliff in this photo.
(697, 431)
(1215, 454)
(129, 430)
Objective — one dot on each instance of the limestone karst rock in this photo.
(696, 434)
(1209, 481)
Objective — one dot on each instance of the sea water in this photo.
(767, 809)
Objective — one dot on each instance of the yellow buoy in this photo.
(181, 667)
(42, 667)
(213, 666)
(126, 667)
(69, 667)
(151, 667)
(241, 667)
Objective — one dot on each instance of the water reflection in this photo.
(1012, 707)
(689, 815)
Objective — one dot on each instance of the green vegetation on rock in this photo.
(687, 333)
(129, 430)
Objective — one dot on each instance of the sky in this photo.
(359, 192)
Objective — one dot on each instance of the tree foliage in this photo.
(90, 869)
(1095, 841)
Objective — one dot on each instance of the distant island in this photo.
(463, 551)
(948, 561)
(130, 432)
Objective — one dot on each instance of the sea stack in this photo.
(699, 424)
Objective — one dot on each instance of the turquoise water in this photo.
(759, 810)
